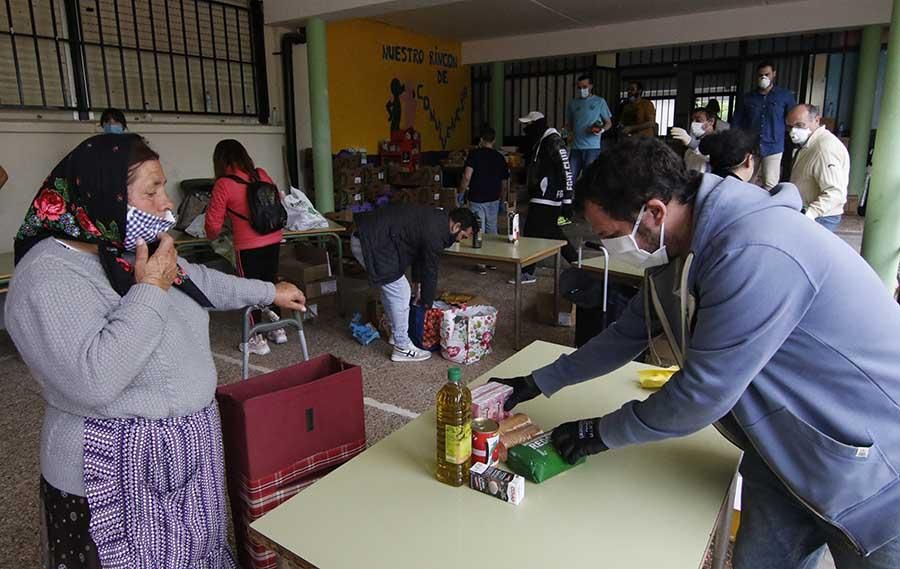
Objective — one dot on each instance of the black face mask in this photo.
(451, 237)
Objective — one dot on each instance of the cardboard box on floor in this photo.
(544, 309)
(318, 289)
(301, 265)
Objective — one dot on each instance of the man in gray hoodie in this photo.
(787, 342)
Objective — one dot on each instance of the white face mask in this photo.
(764, 82)
(585, 93)
(799, 136)
(697, 129)
(626, 249)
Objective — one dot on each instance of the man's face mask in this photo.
(142, 225)
(113, 128)
(627, 250)
(799, 136)
(697, 129)
(585, 92)
(764, 82)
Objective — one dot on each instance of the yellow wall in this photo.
(364, 57)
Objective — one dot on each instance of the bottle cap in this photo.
(454, 374)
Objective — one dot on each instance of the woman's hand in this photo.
(161, 268)
(289, 297)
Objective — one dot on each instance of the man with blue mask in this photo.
(785, 340)
(113, 121)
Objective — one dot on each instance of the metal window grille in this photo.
(189, 56)
(720, 86)
(179, 56)
(34, 49)
(663, 92)
(545, 85)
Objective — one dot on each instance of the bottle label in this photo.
(457, 443)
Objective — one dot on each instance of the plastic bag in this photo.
(425, 325)
(197, 228)
(301, 213)
(467, 334)
(537, 460)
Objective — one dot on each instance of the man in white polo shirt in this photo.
(821, 168)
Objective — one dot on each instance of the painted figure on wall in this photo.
(394, 106)
(401, 108)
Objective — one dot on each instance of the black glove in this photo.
(568, 211)
(524, 389)
(578, 439)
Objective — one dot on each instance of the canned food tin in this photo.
(485, 441)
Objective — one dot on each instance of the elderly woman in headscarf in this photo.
(115, 328)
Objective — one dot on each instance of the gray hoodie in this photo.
(794, 349)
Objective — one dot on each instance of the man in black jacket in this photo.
(550, 190)
(392, 239)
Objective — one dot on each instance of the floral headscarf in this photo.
(85, 199)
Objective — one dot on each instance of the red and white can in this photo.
(485, 441)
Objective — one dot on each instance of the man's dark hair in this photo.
(727, 149)
(766, 63)
(464, 217)
(113, 115)
(585, 77)
(636, 170)
(703, 110)
(713, 107)
(487, 134)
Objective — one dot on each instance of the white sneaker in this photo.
(526, 279)
(409, 354)
(258, 346)
(278, 336)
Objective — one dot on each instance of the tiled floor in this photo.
(409, 387)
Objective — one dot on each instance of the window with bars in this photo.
(545, 85)
(662, 91)
(34, 50)
(179, 56)
(722, 87)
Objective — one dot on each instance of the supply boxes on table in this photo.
(282, 431)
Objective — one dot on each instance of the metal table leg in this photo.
(557, 262)
(723, 530)
(518, 305)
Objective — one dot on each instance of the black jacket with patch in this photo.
(397, 237)
(549, 176)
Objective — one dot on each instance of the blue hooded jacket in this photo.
(794, 349)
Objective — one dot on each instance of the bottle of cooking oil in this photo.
(454, 430)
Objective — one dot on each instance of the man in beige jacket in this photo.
(821, 167)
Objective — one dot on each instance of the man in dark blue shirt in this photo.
(763, 111)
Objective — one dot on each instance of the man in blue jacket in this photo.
(786, 339)
(763, 112)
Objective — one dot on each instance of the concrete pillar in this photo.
(497, 117)
(881, 238)
(864, 102)
(320, 120)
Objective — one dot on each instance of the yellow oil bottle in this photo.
(454, 430)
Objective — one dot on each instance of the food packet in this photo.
(537, 460)
(655, 378)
